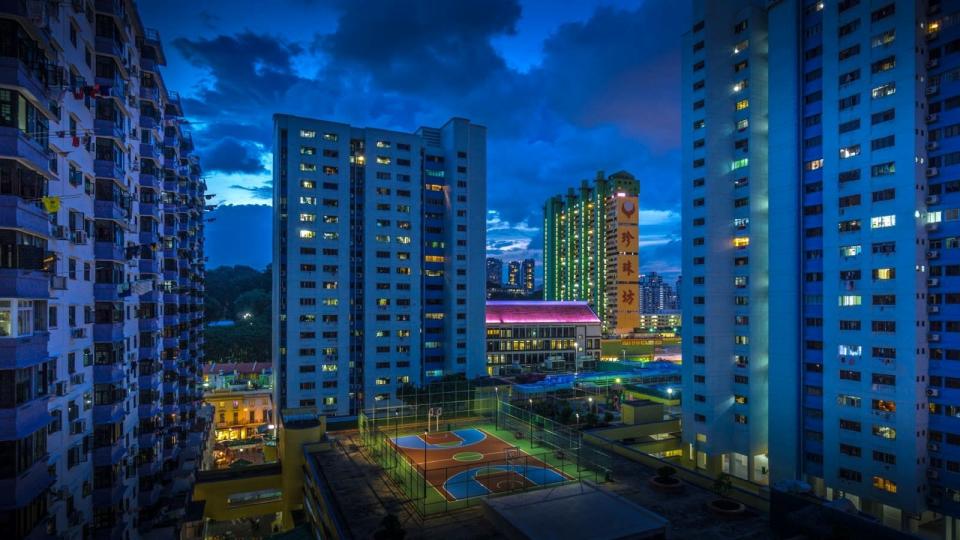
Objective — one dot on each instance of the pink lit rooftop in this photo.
(534, 312)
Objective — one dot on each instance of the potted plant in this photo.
(722, 505)
(665, 480)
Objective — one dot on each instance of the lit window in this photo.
(881, 222)
(739, 164)
(307, 133)
(850, 251)
(848, 152)
(308, 167)
(383, 160)
(307, 234)
(880, 482)
(743, 104)
(403, 239)
(741, 242)
(740, 47)
(308, 218)
(740, 86)
(382, 238)
(330, 236)
(883, 273)
(383, 144)
(308, 184)
(743, 124)
(884, 90)
(813, 165)
(308, 151)
(330, 137)
(850, 300)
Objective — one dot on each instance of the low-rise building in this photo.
(240, 414)
(237, 375)
(536, 336)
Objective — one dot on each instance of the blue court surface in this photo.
(464, 485)
(461, 438)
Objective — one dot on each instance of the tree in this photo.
(390, 529)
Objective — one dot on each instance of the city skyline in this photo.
(523, 48)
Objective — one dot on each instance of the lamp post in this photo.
(578, 419)
(590, 401)
(530, 421)
(424, 470)
(396, 433)
(496, 407)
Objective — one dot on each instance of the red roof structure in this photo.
(536, 312)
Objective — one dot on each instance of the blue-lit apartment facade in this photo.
(379, 246)
(101, 283)
(850, 210)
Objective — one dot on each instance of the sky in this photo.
(565, 89)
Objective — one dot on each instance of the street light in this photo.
(530, 421)
(496, 407)
(396, 433)
(424, 469)
(590, 400)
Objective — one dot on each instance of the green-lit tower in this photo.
(574, 240)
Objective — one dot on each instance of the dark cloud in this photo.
(423, 45)
(605, 96)
(229, 155)
(257, 192)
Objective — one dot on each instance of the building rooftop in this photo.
(534, 312)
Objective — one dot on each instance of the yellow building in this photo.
(240, 415)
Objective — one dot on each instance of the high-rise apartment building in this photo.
(820, 299)
(379, 246)
(656, 295)
(101, 277)
(494, 272)
(591, 243)
(513, 274)
(527, 272)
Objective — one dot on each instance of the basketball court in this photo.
(471, 462)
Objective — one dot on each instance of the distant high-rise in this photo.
(379, 249)
(591, 248)
(819, 216)
(656, 295)
(513, 274)
(101, 277)
(494, 272)
(527, 270)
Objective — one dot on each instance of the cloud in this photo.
(229, 155)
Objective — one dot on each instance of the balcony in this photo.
(111, 47)
(106, 168)
(148, 64)
(37, 154)
(23, 282)
(21, 490)
(108, 250)
(149, 151)
(109, 455)
(151, 93)
(35, 79)
(108, 128)
(18, 213)
(109, 414)
(111, 495)
(108, 373)
(151, 324)
(114, 8)
(18, 422)
(148, 178)
(148, 410)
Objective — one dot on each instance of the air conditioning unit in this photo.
(933, 62)
(933, 309)
(933, 392)
(933, 254)
(933, 226)
(932, 117)
(933, 145)
(933, 337)
(933, 282)
(933, 199)
(932, 171)
(79, 237)
(77, 333)
(934, 447)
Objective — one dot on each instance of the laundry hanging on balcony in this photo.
(50, 204)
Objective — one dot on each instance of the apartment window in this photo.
(740, 26)
(849, 52)
(743, 124)
(848, 28)
(882, 142)
(849, 101)
(849, 77)
(880, 222)
(849, 151)
(307, 134)
(883, 116)
(884, 195)
(883, 13)
(850, 126)
(743, 104)
(884, 90)
(885, 64)
(883, 169)
(849, 300)
(885, 38)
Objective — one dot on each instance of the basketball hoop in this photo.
(434, 412)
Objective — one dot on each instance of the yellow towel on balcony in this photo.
(50, 204)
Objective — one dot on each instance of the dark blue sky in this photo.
(564, 88)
